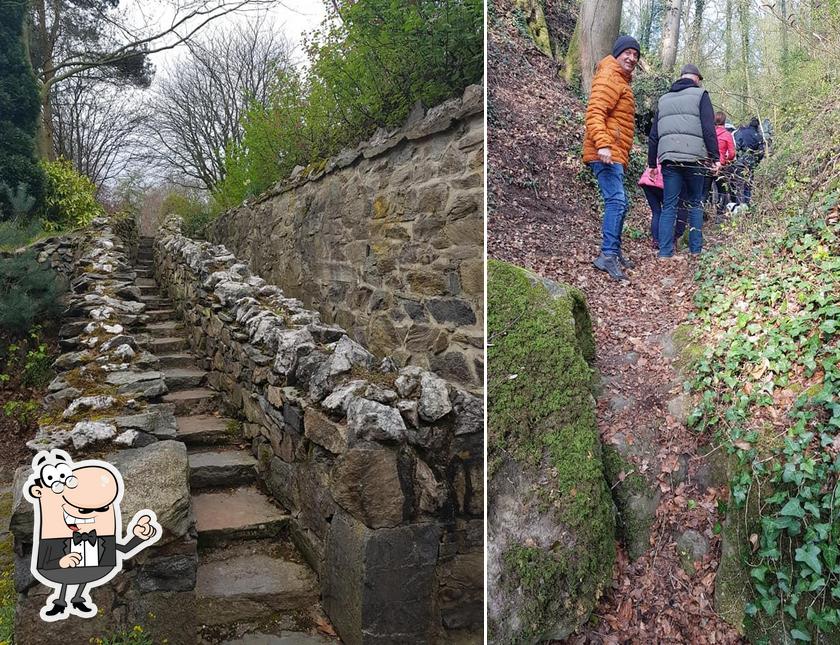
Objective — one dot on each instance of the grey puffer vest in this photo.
(679, 127)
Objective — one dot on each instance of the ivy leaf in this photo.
(793, 509)
(799, 635)
(810, 555)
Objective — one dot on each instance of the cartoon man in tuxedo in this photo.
(77, 538)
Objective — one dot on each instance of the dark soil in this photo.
(544, 214)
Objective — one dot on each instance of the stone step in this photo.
(148, 289)
(155, 299)
(184, 360)
(184, 377)
(187, 402)
(161, 315)
(164, 328)
(223, 517)
(223, 467)
(206, 430)
(146, 282)
(168, 344)
(251, 581)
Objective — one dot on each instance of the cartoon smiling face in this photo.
(81, 499)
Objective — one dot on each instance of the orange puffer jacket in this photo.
(611, 113)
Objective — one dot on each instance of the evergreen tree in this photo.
(21, 179)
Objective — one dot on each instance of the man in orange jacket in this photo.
(610, 124)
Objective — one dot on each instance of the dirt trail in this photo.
(544, 215)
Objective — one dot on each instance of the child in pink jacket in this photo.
(654, 192)
(724, 180)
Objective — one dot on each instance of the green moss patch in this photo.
(541, 420)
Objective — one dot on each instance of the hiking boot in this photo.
(627, 263)
(611, 265)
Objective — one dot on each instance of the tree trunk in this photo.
(671, 35)
(571, 70)
(783, 12)
(646, 24)
(727, 36)
(45, 43)
(695, 49)
(744, 25)
(599, 22)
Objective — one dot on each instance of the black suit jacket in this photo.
(51, 550)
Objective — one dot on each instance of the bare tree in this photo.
(95, 125)
(197, 109)
(598, 23)
(71, 37)
(671, 35)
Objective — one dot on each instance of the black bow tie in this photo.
(81, 537)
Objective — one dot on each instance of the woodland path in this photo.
(652, 599)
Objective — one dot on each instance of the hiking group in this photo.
(691, 149)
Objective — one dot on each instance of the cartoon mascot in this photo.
(77, 539)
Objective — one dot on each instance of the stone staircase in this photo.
(250, 576)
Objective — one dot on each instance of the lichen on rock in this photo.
(551, 519)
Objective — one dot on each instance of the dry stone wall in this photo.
(380, 465)
(101, 404)
(385, 239)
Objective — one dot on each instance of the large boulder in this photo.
(551, 525)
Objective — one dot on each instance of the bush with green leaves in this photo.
(370, 62)
(377, 58)
(70, 199)
(195, 213)
(29, 292)
(20, 232)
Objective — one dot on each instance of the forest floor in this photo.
(544, 214)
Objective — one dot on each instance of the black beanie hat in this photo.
(625, 42)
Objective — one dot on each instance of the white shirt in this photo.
(88, 551)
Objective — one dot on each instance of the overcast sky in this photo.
(294, 17)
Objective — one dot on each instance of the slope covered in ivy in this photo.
(768, 385)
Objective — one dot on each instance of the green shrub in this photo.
(19, 232)
(194, 213)
(377, 58)
(370, 63)
(29, 292)
(70, 200)
(21, 180)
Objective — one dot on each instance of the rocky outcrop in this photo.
(380, 466)
(103, 403)
(385, 239)
(104, 375)
(550, 514)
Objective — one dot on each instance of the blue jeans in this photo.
(654, 197)
(689, 179)
(610, 178)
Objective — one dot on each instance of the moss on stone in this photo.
(688, 350)
(541, 415)
(383, 379)
(635, 500)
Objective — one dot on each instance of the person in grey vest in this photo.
(684, 141)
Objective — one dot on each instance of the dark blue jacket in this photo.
(749, 144)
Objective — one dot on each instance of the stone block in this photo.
(324, 431)
(366, 483)
(380, 585)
